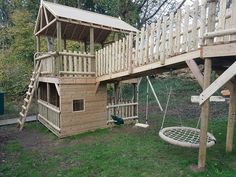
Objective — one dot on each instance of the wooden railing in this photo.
(67, 63)
(180, 33)
(127, 110)
(50, 114)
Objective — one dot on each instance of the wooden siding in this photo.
(94, 115)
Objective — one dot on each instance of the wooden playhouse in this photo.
(69, 100)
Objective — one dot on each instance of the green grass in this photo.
(116, 152)
(123, 151)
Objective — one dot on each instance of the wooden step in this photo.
(31, 86)
(21, 114)
(18, 120)
(28, 93)
(26, 100)
(23, 107)
(32, 79)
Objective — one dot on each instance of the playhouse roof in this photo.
(76, 22)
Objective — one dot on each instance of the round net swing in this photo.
(183, 136)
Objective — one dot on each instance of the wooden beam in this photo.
(196, 99)
(233, 18)
(220, 33)
(221, 50)
(37, 24)
(49, 80)
(45, 14)
(218, 83)
(231, 119)
(207, 81)
(94, 25)
(59, 36)
(45, 27)
(204, 116)
(91, 38)
(41, 18)
(196, 71)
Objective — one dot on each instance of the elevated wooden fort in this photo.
(204, 33)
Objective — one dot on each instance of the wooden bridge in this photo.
(192, 33)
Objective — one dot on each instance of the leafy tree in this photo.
(16, 61)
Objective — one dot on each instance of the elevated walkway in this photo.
(169, 43)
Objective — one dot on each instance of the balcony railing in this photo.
(67, 64)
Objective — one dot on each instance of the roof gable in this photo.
(87, 16)
(76, 23)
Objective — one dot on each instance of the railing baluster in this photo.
(136, 48)
(186, 25)
(75, 62)
(119, 55)
(163, 41)
(178, 31)
(158, 35)
(141, 47)
(194, 26)
(146, 59)
(203, 23)
(171, 26)
(152, 42)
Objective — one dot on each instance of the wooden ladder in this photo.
(29, 95)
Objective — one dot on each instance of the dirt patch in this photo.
(29, 139)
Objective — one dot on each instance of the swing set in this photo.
(181, 135)
(177, 135)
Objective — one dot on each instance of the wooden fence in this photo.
(50, 114)
(126, 109)
(181, 32)
(67, 63)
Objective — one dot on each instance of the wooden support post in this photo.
(59, 48)
(135, 110)
(233, 19)
(116, 95)
(58, 36)
(204, 116)
(196, 71)
(231, 119)
(91, 47)
(207, 81)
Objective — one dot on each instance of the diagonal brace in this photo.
(218, 83)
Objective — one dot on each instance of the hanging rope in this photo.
(167, 104)
(183, 136)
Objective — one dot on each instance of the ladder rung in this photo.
(32, 79)
(18, 120)
(23, 107)
(26, 100)
(21, 114)
(31, 86)
(28, 93)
